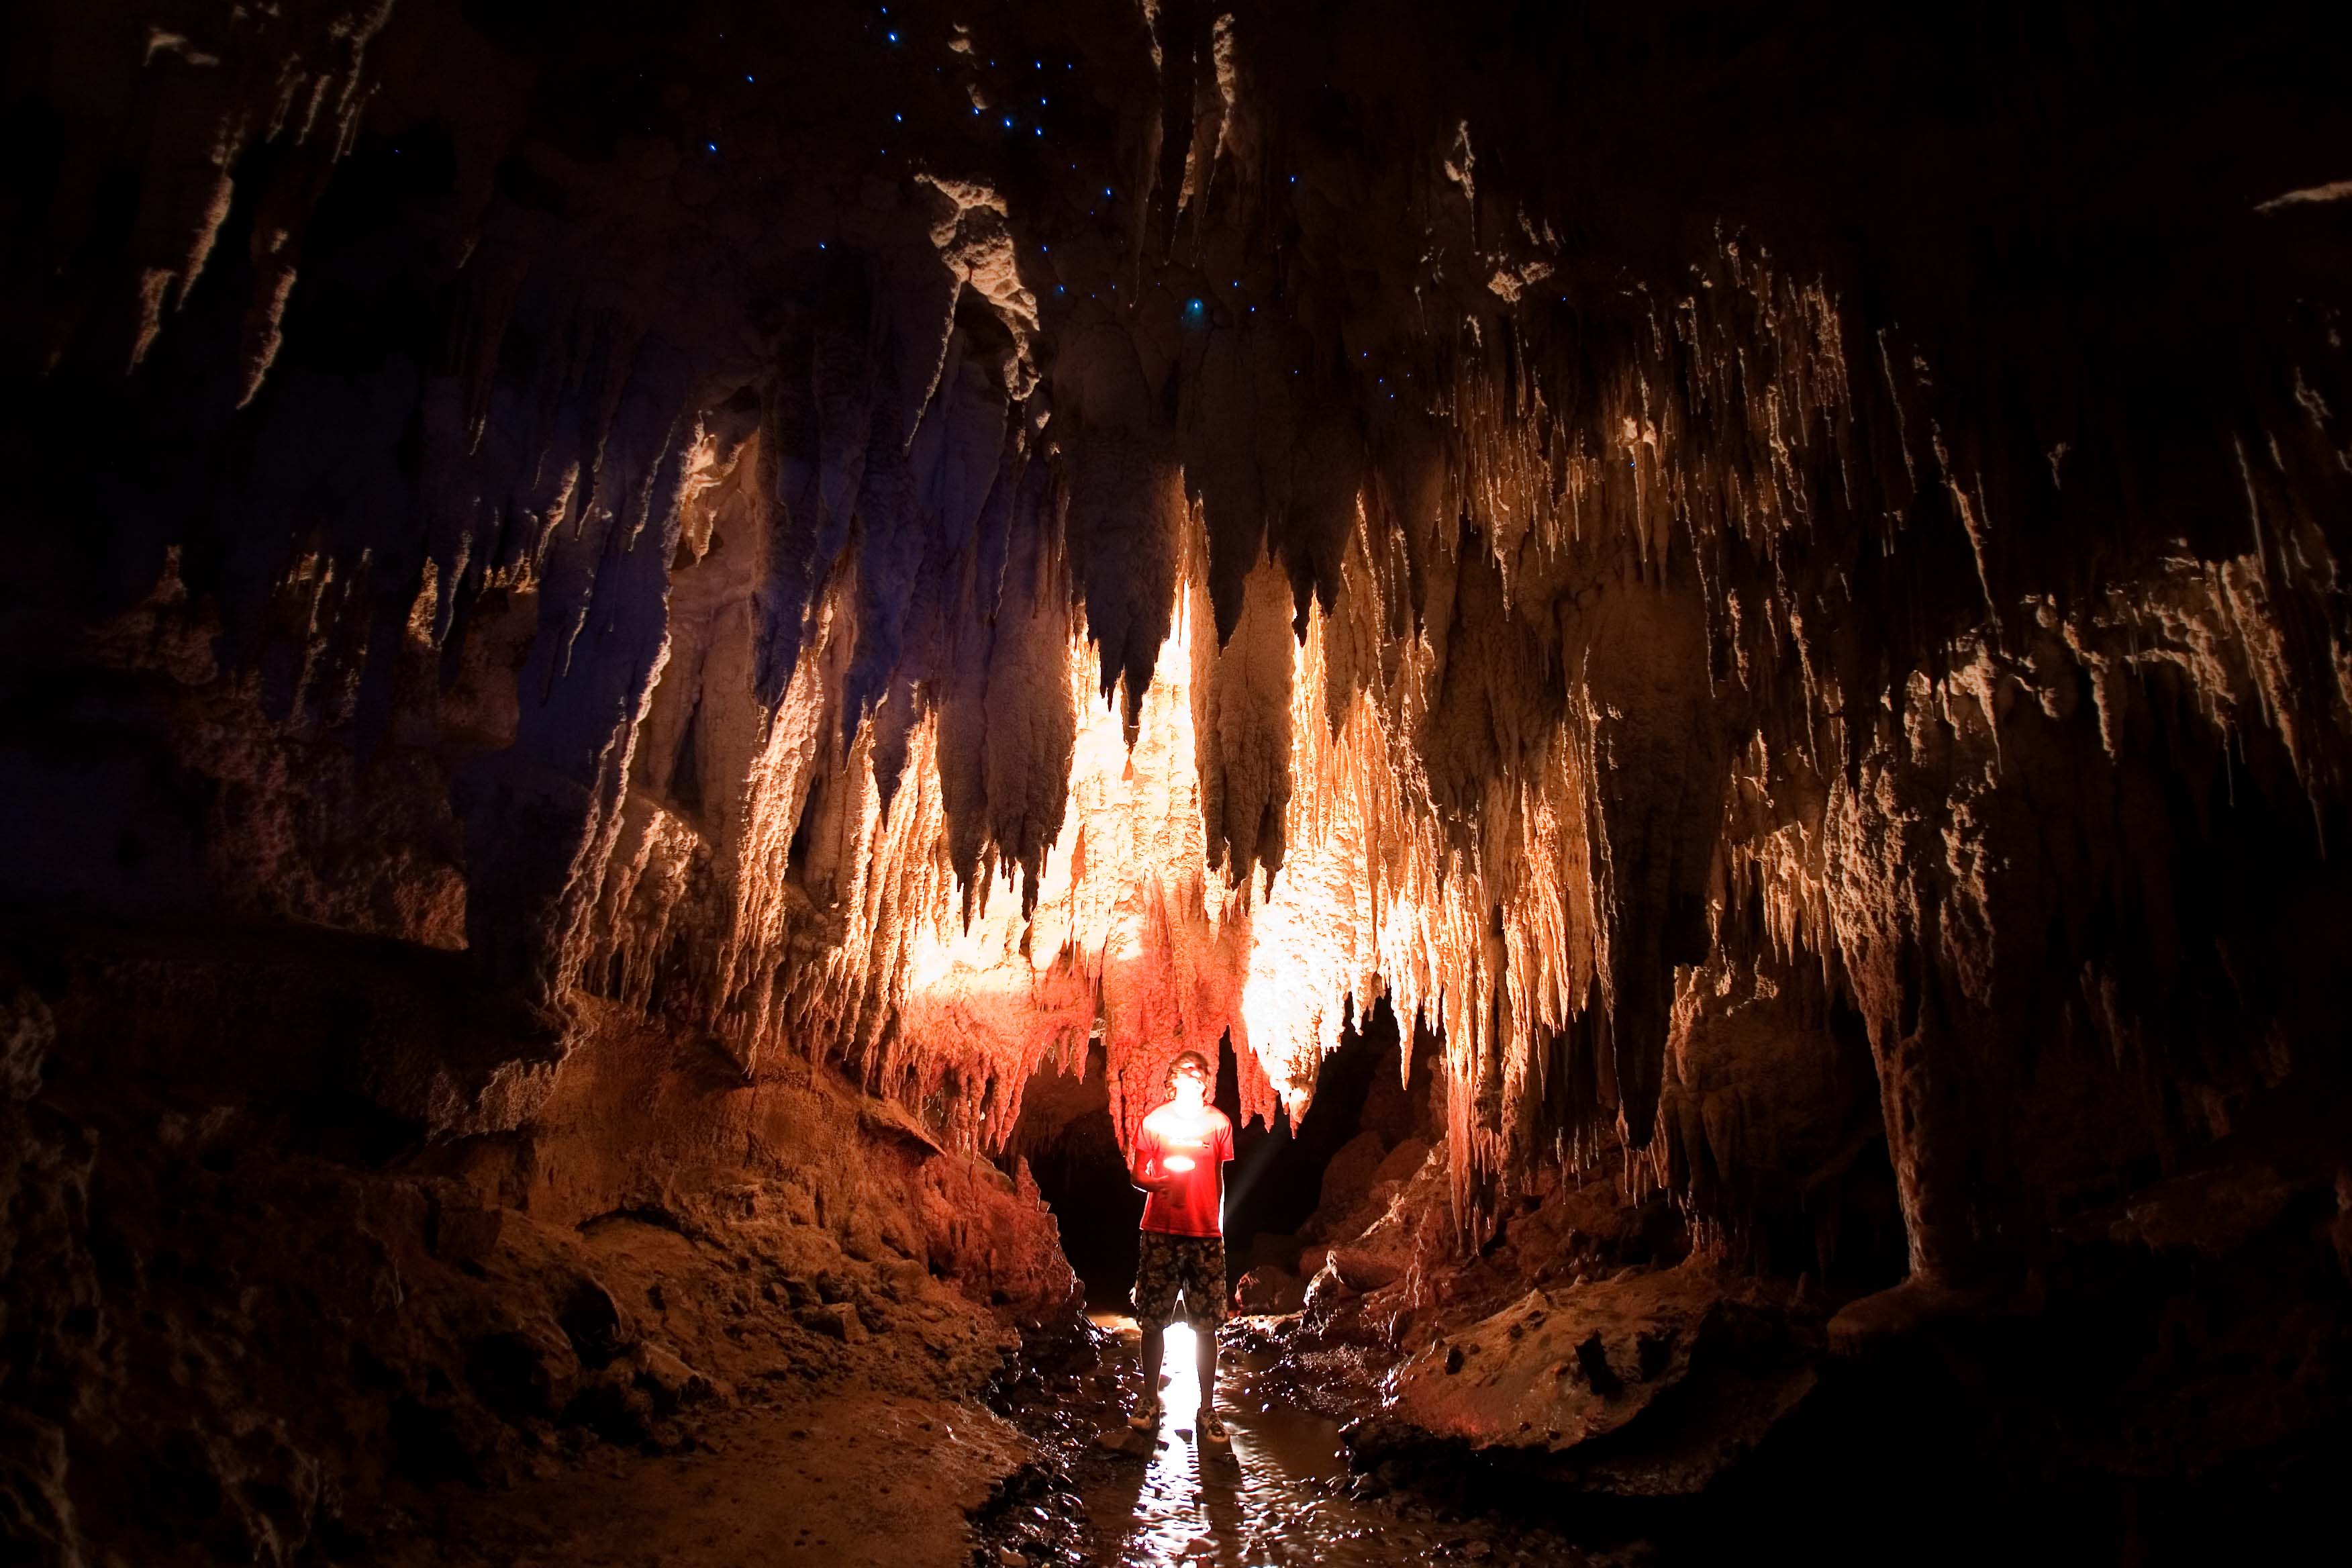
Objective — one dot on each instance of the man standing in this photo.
(1180, 1162)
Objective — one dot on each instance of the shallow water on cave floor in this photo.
(1277, 1498)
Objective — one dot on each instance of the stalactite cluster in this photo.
(1242, 536)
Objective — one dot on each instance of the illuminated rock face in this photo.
(910, 544)
(719, 615)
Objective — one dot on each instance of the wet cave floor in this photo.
(845, 1477)
(1282, 1493)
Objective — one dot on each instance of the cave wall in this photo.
(1661, 544)
(253, 1316)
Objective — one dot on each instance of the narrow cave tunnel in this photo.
(658, 662)
(1072, 1150)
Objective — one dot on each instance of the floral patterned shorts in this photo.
(1193, 1264)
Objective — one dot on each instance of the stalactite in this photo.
(1601, 655)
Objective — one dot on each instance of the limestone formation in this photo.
(620, 625)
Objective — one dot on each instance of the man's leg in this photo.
(1154, 1297)
(1205, 1295)
(1155, 1345)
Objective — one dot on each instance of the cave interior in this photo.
(655, 659)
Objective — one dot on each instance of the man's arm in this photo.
(1143, 1167)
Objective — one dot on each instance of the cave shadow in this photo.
(1065, 1133)
(1278, 1179)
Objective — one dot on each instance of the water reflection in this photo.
(1271, 1498)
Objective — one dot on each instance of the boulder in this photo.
(1349, 1176)
(1326, 1287)
(664, 1375)
(599, 1330)
(1269, 1290)
(1364, 1268)
(1575, 1379)
(525, 1371)
(839, 1320)
(460, 1234)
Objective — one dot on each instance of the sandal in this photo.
(1212, 1431)
(1147, 1414)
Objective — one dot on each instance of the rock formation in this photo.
(622, 620)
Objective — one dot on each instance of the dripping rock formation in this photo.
(656, 657)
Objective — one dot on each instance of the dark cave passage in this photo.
(1293, 1191)
(1065, 1133)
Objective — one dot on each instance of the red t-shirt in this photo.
(1193, 1206)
